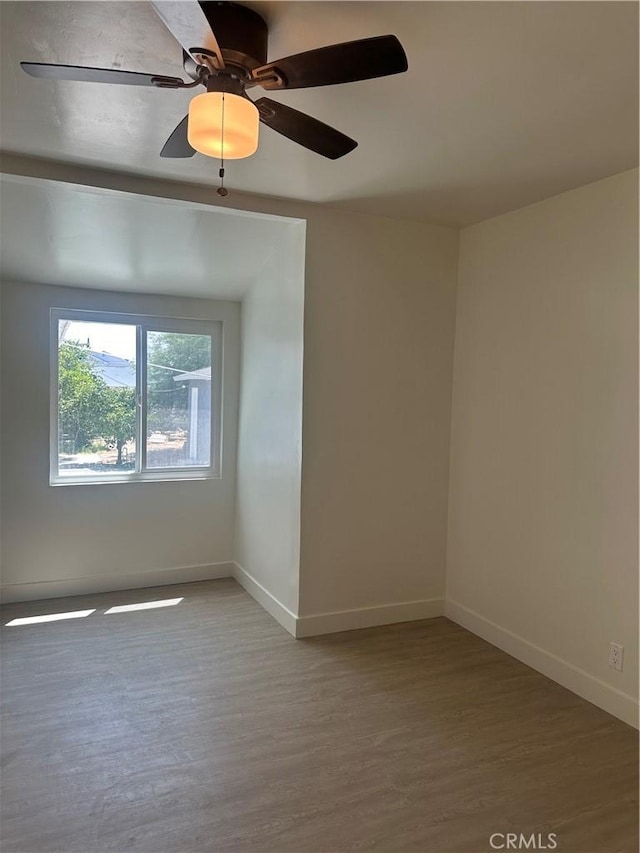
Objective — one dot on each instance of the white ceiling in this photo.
(61, 234)
(504, 103)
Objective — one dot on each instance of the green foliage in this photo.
(119, 421)
(88, 409)
(91, 411)
(80, 398)
(168, 354)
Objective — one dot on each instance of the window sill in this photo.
(159, 477)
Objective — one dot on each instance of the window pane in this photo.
(96, 398)
(178, 400)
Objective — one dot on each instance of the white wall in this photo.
(379, 326)
(267, 526)
(73, 539)
(379, 308)
(543, 510)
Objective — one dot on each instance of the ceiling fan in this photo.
(224, 49)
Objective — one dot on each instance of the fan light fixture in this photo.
(223, 125)
(224, 47)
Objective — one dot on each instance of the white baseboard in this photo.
(368, 617)
(342, 620)
(13, 592)
(592, 689)
(265, 599)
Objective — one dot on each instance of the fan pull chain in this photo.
(222, 190)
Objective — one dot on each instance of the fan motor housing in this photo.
(241, 33)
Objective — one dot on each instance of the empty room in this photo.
(319, 426)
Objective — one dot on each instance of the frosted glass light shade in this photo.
(205, 129)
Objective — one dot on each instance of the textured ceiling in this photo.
(504, 103)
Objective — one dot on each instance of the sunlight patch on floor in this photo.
(50, 617)
(144, 605)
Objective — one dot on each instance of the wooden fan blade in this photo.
(97, 75)
(305, 130)
(177, 145)
(337, 63)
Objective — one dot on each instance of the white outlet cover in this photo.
(616, 653)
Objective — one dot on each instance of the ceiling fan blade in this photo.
(188, 24)
(305, 130)
(337, 63)
(97, 75)
(189, 64)
(177, 145)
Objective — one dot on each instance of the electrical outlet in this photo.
(616, 653)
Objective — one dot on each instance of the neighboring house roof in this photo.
(114, 371)
(204, 373)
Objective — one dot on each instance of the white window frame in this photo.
(144, 324)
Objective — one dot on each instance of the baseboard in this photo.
(13, 592)
(342, 620)
(587, 686)
(264, 598)
(368, 617)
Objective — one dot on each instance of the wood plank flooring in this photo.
(205, 727)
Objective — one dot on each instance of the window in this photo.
(133, 398)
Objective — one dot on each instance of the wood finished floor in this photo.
(205, 727)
